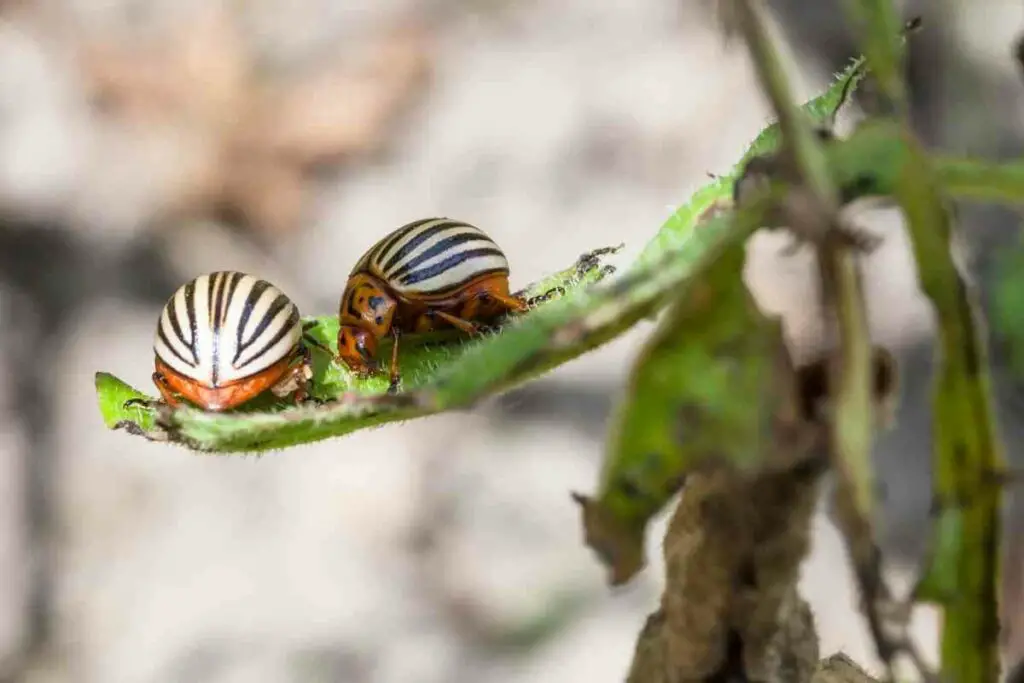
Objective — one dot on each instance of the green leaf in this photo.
(681, 407)
(355, 403)
(710, 386)
(869, 161)
(877, 24)
(820, 111)
(939, 583)
(443, 377)
(113, 393)
(717, 195)
(440, 376)
(1008, 305)
(967, 450)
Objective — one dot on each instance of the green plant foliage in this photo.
(715, 382)
(967, 457)
(701, 359)
(1008, 305)
(682, 408)
(820, 111)
(440, 377)
(349, 402)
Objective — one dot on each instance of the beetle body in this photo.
(427, 275)
(227, 337)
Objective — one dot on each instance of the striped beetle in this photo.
(225, 338)
(428, 274)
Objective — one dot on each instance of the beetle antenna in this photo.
(139, 402)
(306, 339)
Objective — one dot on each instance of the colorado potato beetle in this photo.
(426, 275)
(225, 338)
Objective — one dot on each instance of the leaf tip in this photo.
(619, 547)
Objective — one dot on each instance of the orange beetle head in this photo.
(357, 347)
(368, 303)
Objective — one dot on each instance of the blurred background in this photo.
(143, 142)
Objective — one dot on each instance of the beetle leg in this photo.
(309, 341)
(395, 374)
(511, 303)
(140, 402)
(165, 389)
(304, 372)
(299, 375)
(546, 296)
(300, 394)
(464, 325)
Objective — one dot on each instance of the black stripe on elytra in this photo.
(220, 300)
(172, 314)
(211, 283)
(163, 337)
(438, 295)
(190, 311)
(232, 287)
(279, 303)
(255, 292)
(292, 321)
(413, 243)
(441, 247)
(447, 264)
(385, 245)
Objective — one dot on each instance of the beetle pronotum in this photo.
(227, 337)
(428, 274)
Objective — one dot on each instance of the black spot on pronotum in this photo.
(379, 320)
